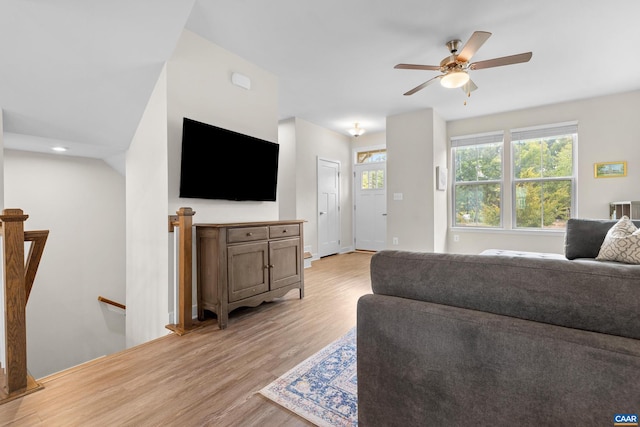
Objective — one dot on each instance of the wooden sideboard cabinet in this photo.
(246, 264)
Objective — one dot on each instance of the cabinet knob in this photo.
(249, 234)
(270, 265)
(284, 231)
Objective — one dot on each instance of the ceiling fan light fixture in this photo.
(356, 131)
(454, 79)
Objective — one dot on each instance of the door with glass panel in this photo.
(370, 206)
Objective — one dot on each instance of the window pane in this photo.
(546, 157)
(558, 156)
(557, 204)
(490, 162)
(380, 179)
(527, 157)
(477, 205)
(478, 162)
(528, 204)
(543, 204)
(372, 156)
(364, 182)
(465, 159)
(372, 179)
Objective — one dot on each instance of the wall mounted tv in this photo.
(221, 164)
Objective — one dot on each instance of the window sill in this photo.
(521, 231)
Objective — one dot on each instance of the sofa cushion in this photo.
(523, 254)
(597, 296)
(584, 237)
(622, 243)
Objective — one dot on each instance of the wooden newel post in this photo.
(15, 297)
(184, 221)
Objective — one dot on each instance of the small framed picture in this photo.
(610, 169)
(441, 178)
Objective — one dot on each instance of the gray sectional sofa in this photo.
(501, 338)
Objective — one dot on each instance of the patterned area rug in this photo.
(323, 388)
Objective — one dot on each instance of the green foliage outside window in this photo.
(542, 186)
(372, 179)
(478, 185)
(543, 172)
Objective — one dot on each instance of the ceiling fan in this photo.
(455, 67)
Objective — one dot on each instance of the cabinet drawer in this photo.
(247, 234)
(286, 230)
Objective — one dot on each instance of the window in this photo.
(372, 156)
(543, 176)
(477, 189)
(372, 179)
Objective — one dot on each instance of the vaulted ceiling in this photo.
(81, 72)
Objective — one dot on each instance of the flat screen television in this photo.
(218, 163)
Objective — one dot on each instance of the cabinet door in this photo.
(286, 262)
(247, 270)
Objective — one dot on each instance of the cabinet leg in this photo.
(301, 292)
(223, 319)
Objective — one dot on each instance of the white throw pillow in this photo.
(622, 243)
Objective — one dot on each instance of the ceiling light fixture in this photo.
(59, 149)
(454, 79)
(356, 131)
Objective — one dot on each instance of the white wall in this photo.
(199, 87)
(2, 181)
(146, 224)
(313, 141)
(415, 145)
(369, 140)
(82, 202)
(440, 198)
(608, 129)
(287, 169)
(3, 348)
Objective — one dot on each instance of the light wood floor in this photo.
(209, 377)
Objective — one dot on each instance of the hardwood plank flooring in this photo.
(209, 377)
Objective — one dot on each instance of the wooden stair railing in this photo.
(18, 282)
(183, 220)
(111, 302)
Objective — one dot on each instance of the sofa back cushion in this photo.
(592, 295)
(584, 237)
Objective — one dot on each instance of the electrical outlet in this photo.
(395, 240)
(456, 238)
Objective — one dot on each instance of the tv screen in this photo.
(222, 164)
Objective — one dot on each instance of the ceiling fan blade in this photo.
(474, 43)
(422, 86)
(498, 62)
(417, 67)
(469, 87)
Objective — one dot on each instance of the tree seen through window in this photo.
(478, 185)
(543, 180)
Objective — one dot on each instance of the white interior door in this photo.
(328, 207)
(371, 206)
